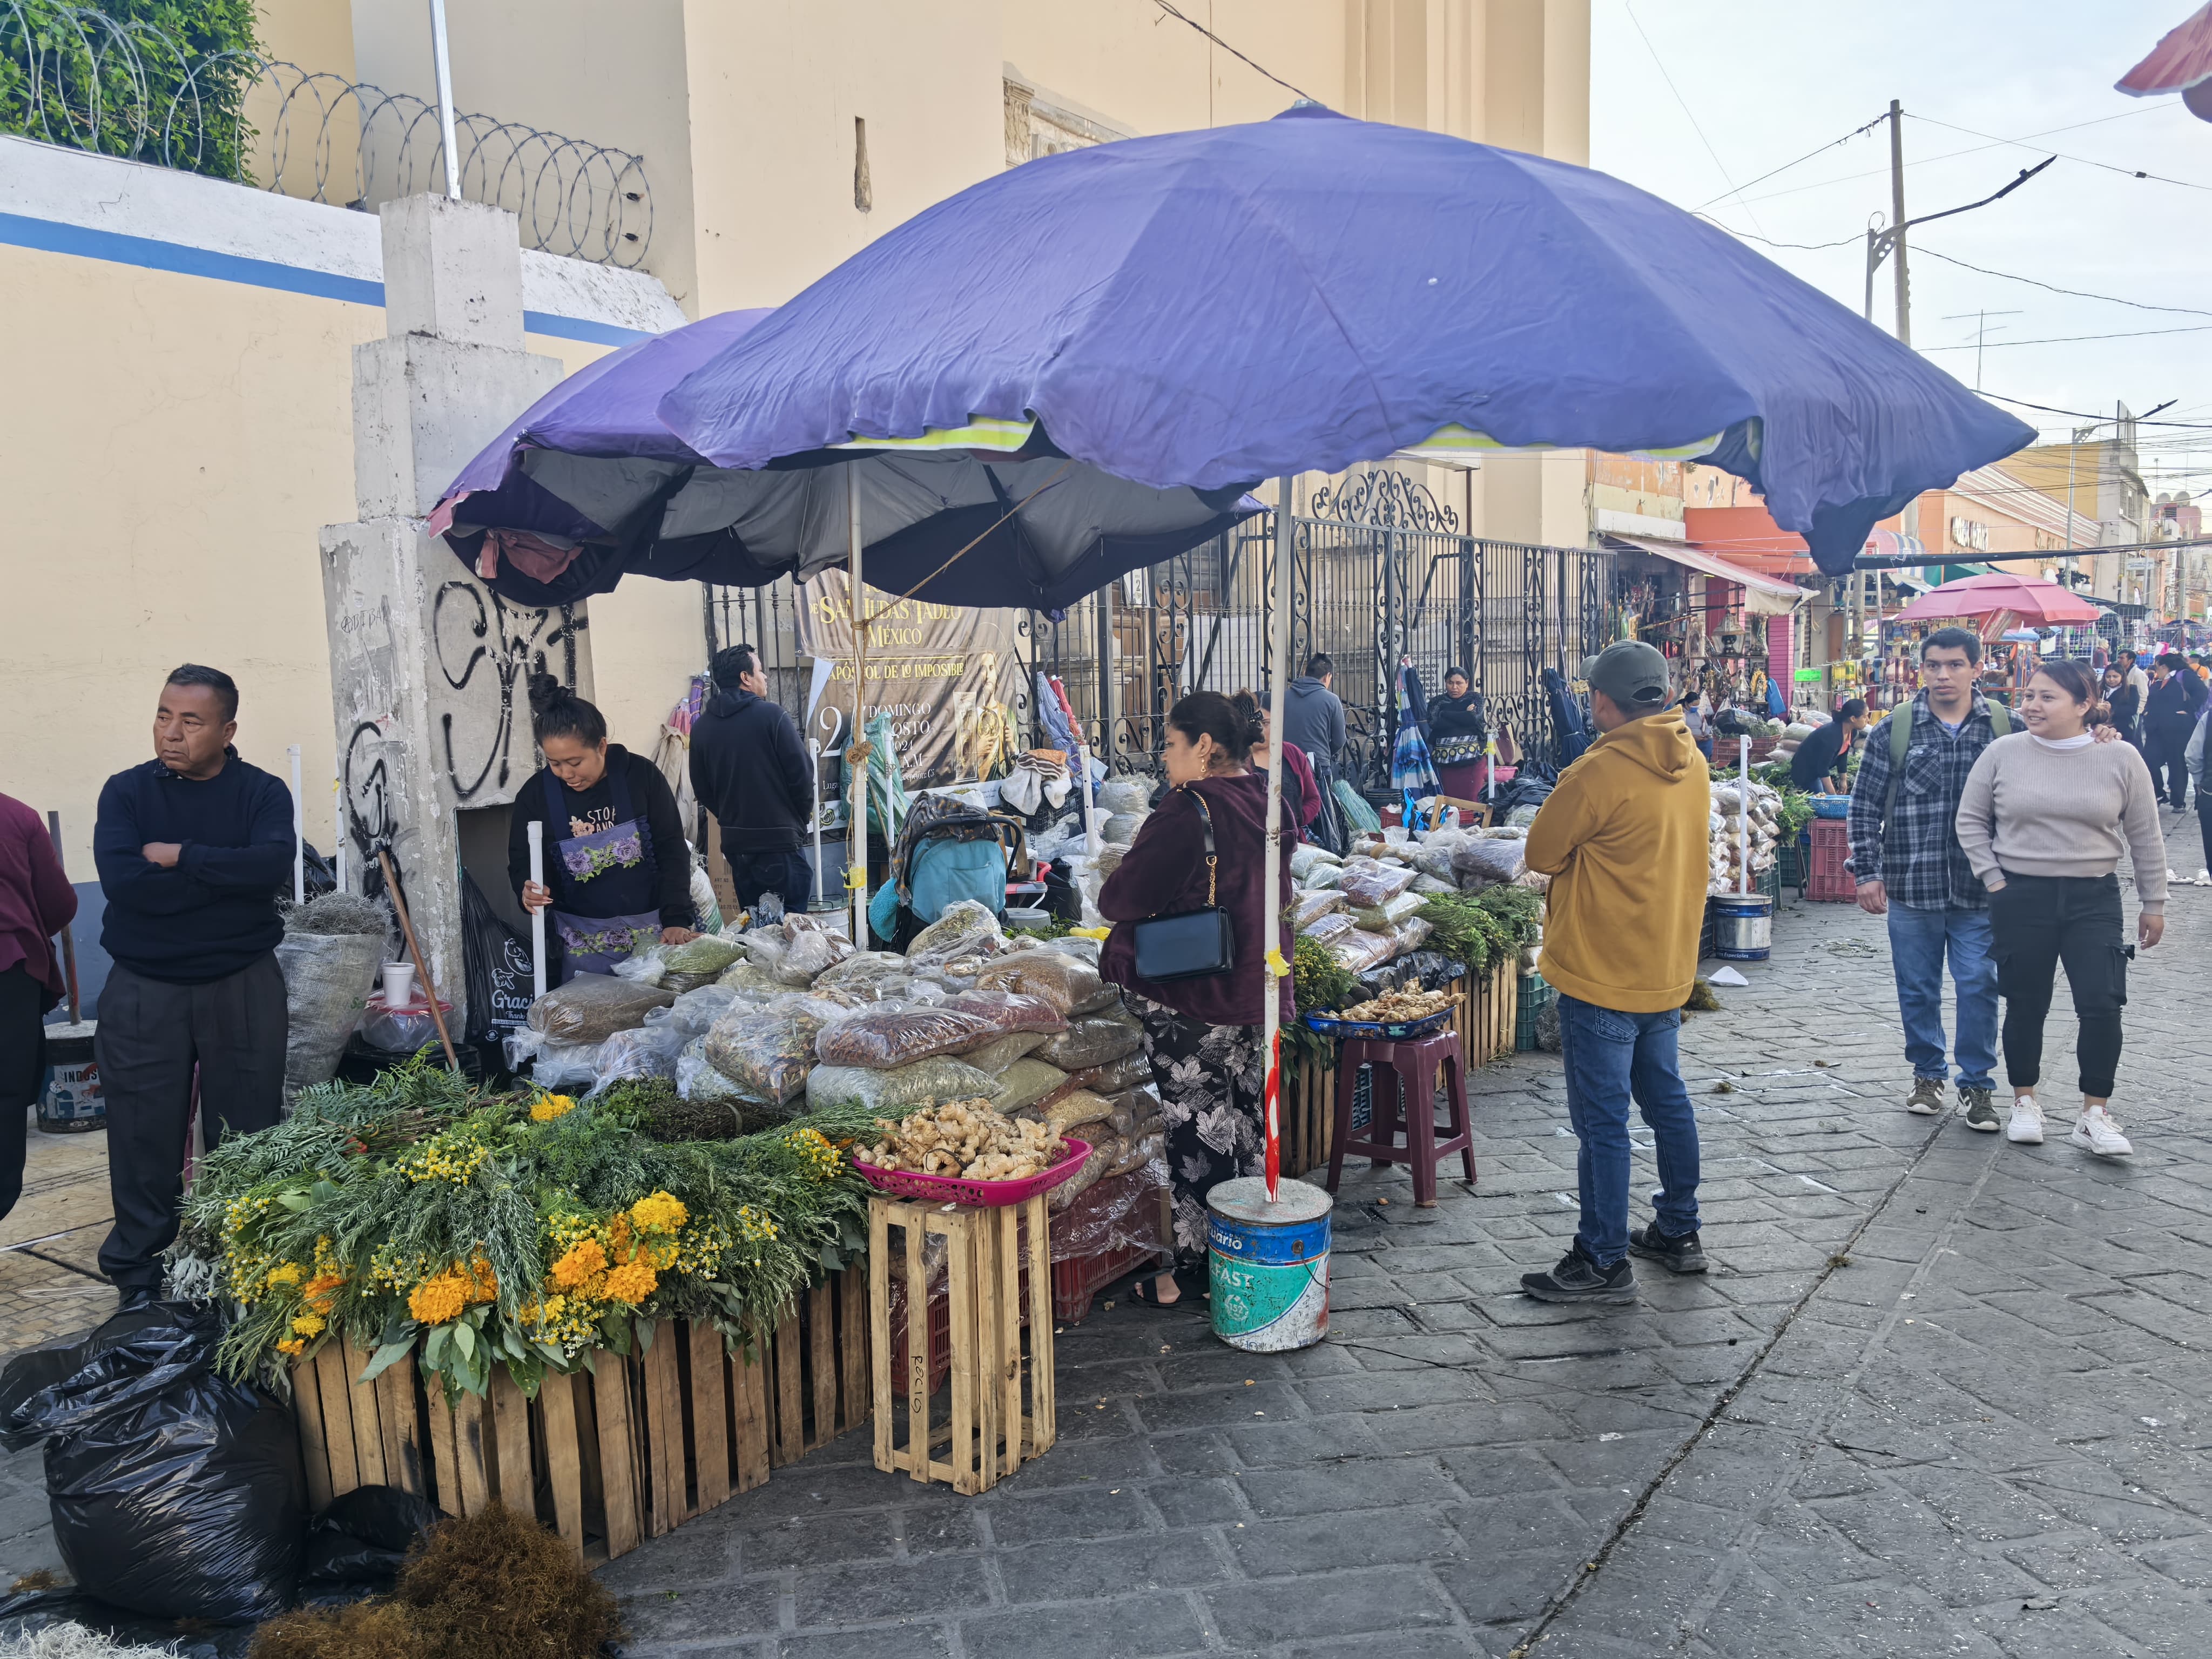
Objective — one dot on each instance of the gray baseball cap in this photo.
(1633, 674)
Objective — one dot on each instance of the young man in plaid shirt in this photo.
(1905, 854)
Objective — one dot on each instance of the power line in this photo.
(1749, 236)
(2101, 420)
(2070, 339)
(1807, 156)
(1953, 154)
(1232, 52)
(2131, 173)
(1658, 63)
(2079, 293)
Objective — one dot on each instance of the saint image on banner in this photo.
(948, 677)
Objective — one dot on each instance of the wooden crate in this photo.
(1484, 1018)
(993, 1422)
(609, 1457)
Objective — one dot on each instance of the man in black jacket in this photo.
(2176, 697)
(1822, 755)
(192, 849)
(749, 770)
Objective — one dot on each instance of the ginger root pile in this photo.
(966, 1138)
(1403, 1004)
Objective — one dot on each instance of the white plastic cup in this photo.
(398, 984)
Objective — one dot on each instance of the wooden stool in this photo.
(989, 1430)
(1405, 1074)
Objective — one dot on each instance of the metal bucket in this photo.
(1268, 1264)
(1743, 926)
(71, 1103)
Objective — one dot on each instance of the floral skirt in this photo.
(1212, 1079)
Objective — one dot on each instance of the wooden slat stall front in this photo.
(613, 1455)
(1483, 1020)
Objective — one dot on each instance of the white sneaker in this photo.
(2204, 877)
(2026, 1128)
(2173, 879)
(2095, 1132)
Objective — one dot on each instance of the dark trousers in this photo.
(2169, 773)
(151, 1036)
(2036, 923)
(22, 1062)
(786, 873)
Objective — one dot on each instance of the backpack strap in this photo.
(1900, 740)
(2000, 720)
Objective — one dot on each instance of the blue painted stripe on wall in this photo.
(52, 236)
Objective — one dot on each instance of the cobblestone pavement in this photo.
(1940, 1396)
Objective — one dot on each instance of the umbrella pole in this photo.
(1742, 816)
(1275, 968)
(856, 875)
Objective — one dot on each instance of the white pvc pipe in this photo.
(857, 875)
(814, 748)
(441, 59)
(537, 829)
(1743, 816)
(299, 831)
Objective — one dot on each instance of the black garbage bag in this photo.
(29, 1612)
(357, 1544)
(175, 1492)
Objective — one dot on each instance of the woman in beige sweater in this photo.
(2044, 818)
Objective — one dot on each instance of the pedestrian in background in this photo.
(1910, 868)
(2045, 816)
(1624, 838)
(1459, 738)
(1313, 719)
(1822, 756)
(1300, 793)
(193, 848)
(2123, 703)
(750, 769)
(36, 902)
(2177, 698)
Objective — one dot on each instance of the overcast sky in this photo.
(1768, 81)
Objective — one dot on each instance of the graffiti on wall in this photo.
(473, 631)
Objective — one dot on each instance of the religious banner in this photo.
(948, 677)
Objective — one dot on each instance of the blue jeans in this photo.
(1613, 1057)
(1918, 942)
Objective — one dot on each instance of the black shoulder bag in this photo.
(1194, 944)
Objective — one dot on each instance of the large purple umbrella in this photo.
(1205, 309)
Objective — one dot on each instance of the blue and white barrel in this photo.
(1268, 1264)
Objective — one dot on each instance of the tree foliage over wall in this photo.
(158, 80)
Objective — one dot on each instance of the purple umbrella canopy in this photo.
(1202, 310)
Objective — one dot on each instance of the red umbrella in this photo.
(2181, 63)
(2043, 602)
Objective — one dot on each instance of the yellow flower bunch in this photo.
(546, 1108)
(449, 1294)
(659, 1212)
(454, 1157)
(293, 1345)
(580, 1264)
(632, 1282)
(823, 1159)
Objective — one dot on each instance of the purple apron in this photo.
(605, 885)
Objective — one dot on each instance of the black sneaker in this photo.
(1981, 1110)
(1677, 1255)
(1578, 1278)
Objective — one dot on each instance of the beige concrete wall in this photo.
(776, 87)
(183, 440)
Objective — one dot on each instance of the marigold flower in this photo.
(631, 1283)
(546, 1108)
(308, 1324)
(659, 1212)
(293, 1346)
(434, 1301)
(579, 1264)
(484, 1281)
(285, 1272)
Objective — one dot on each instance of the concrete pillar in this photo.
(427, 665)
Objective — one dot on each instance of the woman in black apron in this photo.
(618, 869)
(1458, 739)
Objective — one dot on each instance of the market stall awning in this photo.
(1764, 596)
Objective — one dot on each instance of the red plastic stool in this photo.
(1405, 1074)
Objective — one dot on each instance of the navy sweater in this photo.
(216, 912)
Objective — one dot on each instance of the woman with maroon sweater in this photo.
(1202, 1035)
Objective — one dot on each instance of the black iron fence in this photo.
(1381, 573)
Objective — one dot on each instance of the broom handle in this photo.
(422, 968)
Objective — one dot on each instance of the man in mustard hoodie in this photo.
(1624, 838)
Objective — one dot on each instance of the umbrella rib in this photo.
(957, 557)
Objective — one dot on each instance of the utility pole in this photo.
(1897, 218)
